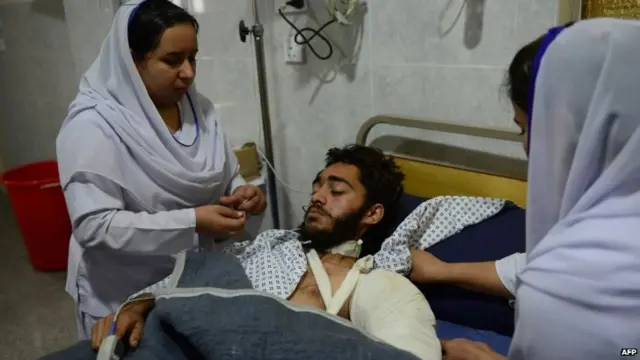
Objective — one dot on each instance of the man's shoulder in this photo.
(381, 289)
(385, 274)
(386, 279)
(275, 237)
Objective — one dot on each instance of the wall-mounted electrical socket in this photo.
(288, 9)
(294, 53)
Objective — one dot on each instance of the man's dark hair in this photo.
(150, 20)
(382, 180)
(379, 175)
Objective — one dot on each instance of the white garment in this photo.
(383, 303)
(579, 294)
(388, 306)
(130, 186)
(508, 269)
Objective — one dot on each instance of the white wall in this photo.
(395, 61)
(37, 79)
(88, 21)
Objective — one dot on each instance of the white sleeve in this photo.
(99, 220)
(389, 307)
(508, 269)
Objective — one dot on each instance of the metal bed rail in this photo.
(438, 126)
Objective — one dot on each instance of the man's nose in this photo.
(318, 197)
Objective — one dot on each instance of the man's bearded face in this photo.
(323, 238)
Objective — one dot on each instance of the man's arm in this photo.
(129, 323)
(491, 277)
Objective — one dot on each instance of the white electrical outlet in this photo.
(280, 4)
(294, 53)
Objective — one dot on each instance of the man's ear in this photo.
(373, 215)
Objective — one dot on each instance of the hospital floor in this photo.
(36, 315)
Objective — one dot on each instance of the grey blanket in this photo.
(213, 313)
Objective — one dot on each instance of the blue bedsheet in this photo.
(215, 314)
(448, 331)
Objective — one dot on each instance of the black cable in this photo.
(314, 32)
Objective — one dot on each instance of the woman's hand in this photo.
(219, 221)
(426, 268)
(247, 198)
(476, 276)
(463, 349)
(128, 326)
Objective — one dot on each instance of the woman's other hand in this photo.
(463, 349)
(247, 198)
(219, 221)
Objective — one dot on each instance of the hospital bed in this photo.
(432, 169)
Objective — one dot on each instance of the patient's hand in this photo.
(129, 325)
(463, 349)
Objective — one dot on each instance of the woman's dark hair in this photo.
(519, 73)
(149, 22)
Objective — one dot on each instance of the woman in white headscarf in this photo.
(579, 293)
(144, 165)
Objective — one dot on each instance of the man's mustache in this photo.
(316, 207)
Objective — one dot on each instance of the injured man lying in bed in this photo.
(319, 265)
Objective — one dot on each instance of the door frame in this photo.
(569, 10)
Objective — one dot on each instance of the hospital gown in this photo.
(275, 262)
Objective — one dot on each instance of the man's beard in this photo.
(344, 229)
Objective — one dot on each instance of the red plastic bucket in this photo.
(41, 212)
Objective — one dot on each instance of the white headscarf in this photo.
(579, 295)
(124, 139)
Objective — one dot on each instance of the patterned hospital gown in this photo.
(275, 261)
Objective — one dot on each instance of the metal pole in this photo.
(256, 12)
(258, 33)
